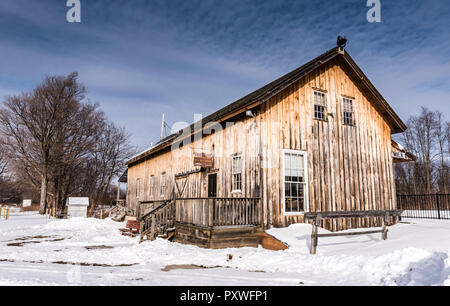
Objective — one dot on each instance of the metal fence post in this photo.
(438, 208)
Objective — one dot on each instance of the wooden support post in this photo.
(385, 230)
(314, 235)
(153, 228)
(142, 232)
(7, 213)
(1, 208)
(314, 239)
(101, 213)
(211, 212)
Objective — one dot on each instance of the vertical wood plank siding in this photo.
(349, 167)
(242, 138)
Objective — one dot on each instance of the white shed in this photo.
(77, 207)
(26, 203)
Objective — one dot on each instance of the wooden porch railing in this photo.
(146, 207)
(158, 221)
(218, 211)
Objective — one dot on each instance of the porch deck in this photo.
(207, 222)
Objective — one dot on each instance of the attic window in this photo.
(320, 105)
(348, 112)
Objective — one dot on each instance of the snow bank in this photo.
(414, 254)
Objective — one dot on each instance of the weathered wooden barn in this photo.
(316, 139)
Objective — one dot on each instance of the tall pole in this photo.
(118, 190)
(162, 126)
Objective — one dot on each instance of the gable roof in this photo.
(268, 91)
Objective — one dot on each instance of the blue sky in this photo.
(140, 58)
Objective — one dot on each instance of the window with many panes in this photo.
(237, 174)
(349, 114)
(295, 182)
(138, 187)
(151, 185)
(163, 184)
(320, 105)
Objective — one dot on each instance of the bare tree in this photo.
(107, 161)
(29, 122)
(442, 142)
(3, 161)
(427, 137)
(60, 145)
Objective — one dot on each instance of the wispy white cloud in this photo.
(141, 58)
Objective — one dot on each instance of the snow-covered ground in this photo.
(37, 251)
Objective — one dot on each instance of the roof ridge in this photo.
(269, 90)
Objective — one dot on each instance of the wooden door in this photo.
(212, 186)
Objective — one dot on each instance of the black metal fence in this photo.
(425, 206)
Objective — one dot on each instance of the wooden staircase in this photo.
(159, 222)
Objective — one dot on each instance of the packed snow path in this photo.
(37, 251)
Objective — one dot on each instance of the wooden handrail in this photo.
(152, 202)
(318, 217)
(351, 214)
(155, 209)
(158, 221)
(191, 199)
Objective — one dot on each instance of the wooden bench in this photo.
(317, 218)
(132, 228)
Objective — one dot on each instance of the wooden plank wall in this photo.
(242, 137)
(349, 167)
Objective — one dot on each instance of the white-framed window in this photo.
(138, 188)
(151, 186)
(236, 180)
(295, 182)
(163, 184)
(348, 111)
(320, 105)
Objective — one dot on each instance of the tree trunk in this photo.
(43, 203)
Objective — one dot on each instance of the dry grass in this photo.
(34, 207)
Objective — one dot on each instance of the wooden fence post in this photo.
(314, 235)
(384, 230)
(1, 208)
(142, 232)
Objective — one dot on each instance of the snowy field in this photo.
(37, 251)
